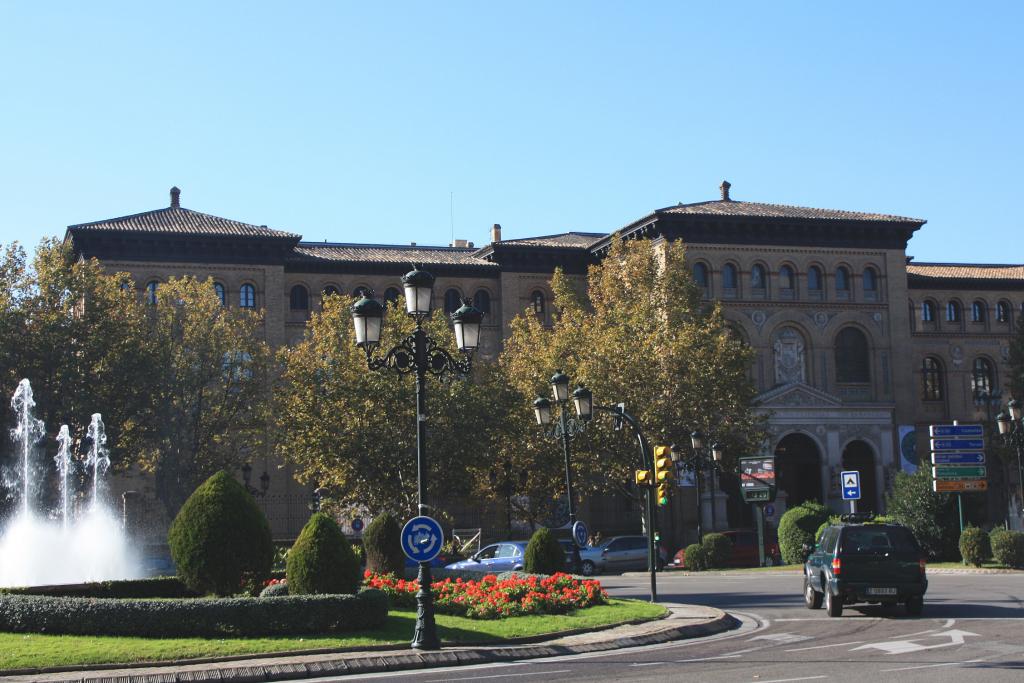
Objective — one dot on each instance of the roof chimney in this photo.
(496, 233)
(724, 187)
(175, 198)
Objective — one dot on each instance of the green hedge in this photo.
(718, 549)
(696, 557)
(158, 587)
(322, 561)
(1008, 547)
(974, 546)
(799, 526)
(544, 554)
(197, 617)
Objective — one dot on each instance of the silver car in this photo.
(617, 554)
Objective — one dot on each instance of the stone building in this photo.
(857, 345)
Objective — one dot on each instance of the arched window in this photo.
(537, 301)
(452, 301)
(330, 290)
(978, 311)
(247, 296)
(870, 280)
(1003, 312)
(786, 277)
(700, 275)
(953, 312)
(853, 362)
(360, 292)
(391, 295)
(299, 298)
(927, 311)
(221, 293)
(758, 277)
(842, 279)
(151, 287)
(931, 379)
(982, 377)
(482, 301)
(814, 279)
(729, 276)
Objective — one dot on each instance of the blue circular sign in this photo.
(769, 510)
(357, 524)
(580, 534)
(421, 539)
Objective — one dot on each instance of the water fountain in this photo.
(35, 548)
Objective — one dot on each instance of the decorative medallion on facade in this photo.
(790, 363)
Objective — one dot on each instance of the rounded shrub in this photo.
(696, 557)
(1008, 547)
(274, 590)
(974, 546)
(544, 554)
(220, 540)
(799, 526)
(322, 561)
(718, 549)
(382, 545)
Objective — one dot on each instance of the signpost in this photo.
(580, 534)
(958, 461)
(851, 487)
(757, 485)
(947, 486)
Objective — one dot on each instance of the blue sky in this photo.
(367, 122)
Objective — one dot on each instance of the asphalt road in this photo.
(972, 629)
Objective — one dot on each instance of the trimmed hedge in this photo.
(382, 545)
(1008, 547)
(718, 549)
(974, 546)
(202, 618)
(158, 587)
(544, 554)
(696, 557)
(322, 561)
(798, 526)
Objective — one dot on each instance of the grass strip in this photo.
(36, 651)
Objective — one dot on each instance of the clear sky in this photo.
(370, 121)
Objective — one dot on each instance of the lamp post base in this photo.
(425, 636)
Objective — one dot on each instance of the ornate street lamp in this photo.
(419, 354)
(247, 479)
(700, 460)
(1011, 428)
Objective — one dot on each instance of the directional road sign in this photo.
(580, 534)
(958, 472)
(421, 539)
(955, 430)
(957, 444)
(958, 458)
(947, 486)
(851, 485)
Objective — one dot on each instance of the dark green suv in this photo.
(862, 562)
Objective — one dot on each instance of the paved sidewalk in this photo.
(684, 621)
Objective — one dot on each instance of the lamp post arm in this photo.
(645, 448)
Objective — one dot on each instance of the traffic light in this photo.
(643, 478)
(663, 472)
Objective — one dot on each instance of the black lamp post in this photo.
(565, 429)
(700, 460)
(503, 481)
(1011, 428)
(419, 354)
(247, 479)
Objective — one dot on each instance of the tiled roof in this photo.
(966, 271)
(579, 240)
(386, 253)
(758, 210)
(178, 221)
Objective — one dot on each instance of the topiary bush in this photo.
(220, 540)
(1008, 547)
(544, 554)
(321, 560)
(696, 557)
(799, 526)
(275, 590)
(718, 549)
(382, 545)
(974, 546)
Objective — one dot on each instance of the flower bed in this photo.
(491, 598)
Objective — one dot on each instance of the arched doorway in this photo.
(798, 469)
(858, 456)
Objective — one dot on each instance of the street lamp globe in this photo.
(584, 400)
(542, 409)
(717, 451)
(466, 321)
(1003, 420)
(367, 316)
(419, 291)
(697, 441)
(560, 386)
(1014, 407)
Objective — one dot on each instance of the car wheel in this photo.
(588, 568)
(915, 605)
(812, 598)
(833, 604)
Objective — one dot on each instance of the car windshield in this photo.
(877, 539)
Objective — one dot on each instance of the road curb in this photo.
(683, 623)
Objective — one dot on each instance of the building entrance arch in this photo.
(798, 469)
(859, 456)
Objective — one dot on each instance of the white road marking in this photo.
(932, 666)
(857, 619)
(818, 647)
(782, 638)
(949, 623)
(900, 647)
(789, 680)
(477, 678)
(685, 661)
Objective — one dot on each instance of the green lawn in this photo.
(22, 651)
(961, 565)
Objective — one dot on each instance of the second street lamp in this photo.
(420, 355)
(1011, 428)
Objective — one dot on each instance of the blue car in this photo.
(495, 558)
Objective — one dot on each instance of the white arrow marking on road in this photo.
(899, 647)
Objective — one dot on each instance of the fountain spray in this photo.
(28, 431)
(63, 460)
(98, 458)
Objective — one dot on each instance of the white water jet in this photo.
(26, 434)
(97, 458)
(63, 460)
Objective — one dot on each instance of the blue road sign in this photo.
(956, 430)
(957, 444)
(769, 510)
(958, 458)
(851, 485)
(580, 534)
(357, 525)
(421, 539)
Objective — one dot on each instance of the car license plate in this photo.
(881, 591)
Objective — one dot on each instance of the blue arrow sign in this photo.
(956, 430)
(851, 485)
(421, 539)
(957, 444)
(958, 458)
